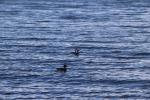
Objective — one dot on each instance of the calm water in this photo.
(37, 36)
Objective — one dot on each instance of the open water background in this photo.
(37, 36)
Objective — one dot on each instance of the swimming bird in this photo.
(64, 69)
(76, 52)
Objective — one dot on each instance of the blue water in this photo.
(38, 36)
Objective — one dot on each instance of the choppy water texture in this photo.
(37, 36)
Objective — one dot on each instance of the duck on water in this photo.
(76, 51)
(64, 69)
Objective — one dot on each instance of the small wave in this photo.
(73, 17)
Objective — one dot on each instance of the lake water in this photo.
(38, 36)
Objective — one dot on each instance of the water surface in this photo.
(37, 36)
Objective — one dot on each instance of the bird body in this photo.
(76, 52)
(64, 69)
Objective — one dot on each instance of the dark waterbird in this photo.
(76, 51)
(64, 69)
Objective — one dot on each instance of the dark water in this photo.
(37, 36)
